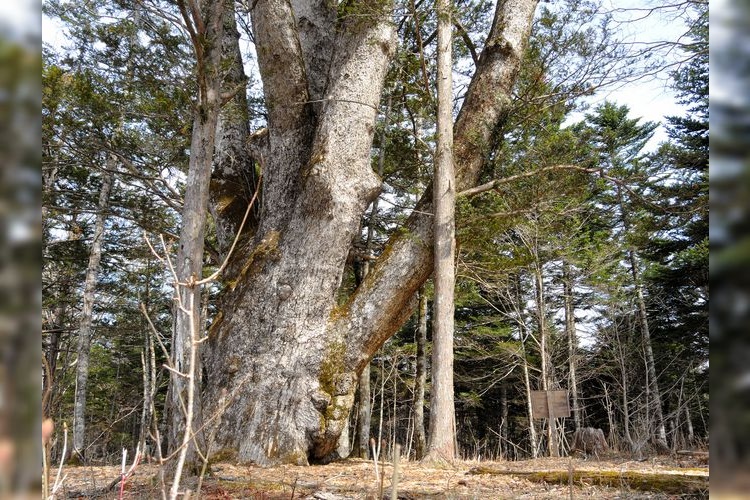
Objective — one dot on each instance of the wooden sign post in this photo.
(550, 405)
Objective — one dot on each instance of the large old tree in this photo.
(282, 357)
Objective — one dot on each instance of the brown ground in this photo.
(355, 479)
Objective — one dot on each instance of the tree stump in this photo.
(588, 440)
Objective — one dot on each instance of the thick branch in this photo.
(316, 23)
(381, 303)
(495, 183)
(234, 179)
(281, 64)
(489, 94)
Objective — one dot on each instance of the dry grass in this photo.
(356, 479)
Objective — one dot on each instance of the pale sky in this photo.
(650, 99)
(21, 17)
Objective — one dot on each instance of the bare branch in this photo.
(234, 243)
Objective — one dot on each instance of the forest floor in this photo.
(543, 478)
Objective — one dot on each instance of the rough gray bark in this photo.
(234, 178)
(570, 333)
(317, 184)
(208, 27)
(87, 313)
(442, 409)
(420, 378)
(364, 418)
(283, 360)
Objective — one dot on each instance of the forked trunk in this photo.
(283, 359)
(275, 370)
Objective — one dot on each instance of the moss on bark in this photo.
(672, 484)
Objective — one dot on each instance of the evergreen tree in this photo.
(678, 241)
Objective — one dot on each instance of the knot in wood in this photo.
(284, 291)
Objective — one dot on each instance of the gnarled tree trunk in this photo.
(283, 359)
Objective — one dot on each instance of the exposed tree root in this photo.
(673, 484)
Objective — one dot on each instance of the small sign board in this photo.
(544, 401)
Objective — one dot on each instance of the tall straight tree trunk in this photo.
(660, 433)
(522, 333)
(364, 418)
(622, 361)
(544, 348)
(570, 332)
(442, 410)
(504, 422)
(533, 439)
(183, 398)
(87, 313)
(420, 378)
(283, 357)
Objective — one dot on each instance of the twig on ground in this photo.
(58, 479)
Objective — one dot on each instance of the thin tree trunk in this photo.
(660, 436)
(504, 421)
(610, 416)
(541, 311)
(189, 264)
(570, 331)
(625, 403)
(420, 378)
(87, 313)
(442, 411)
(364, 420)
(622, 362)
(690, 429)
(149, 367)
(533, 440)
(146, 410)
